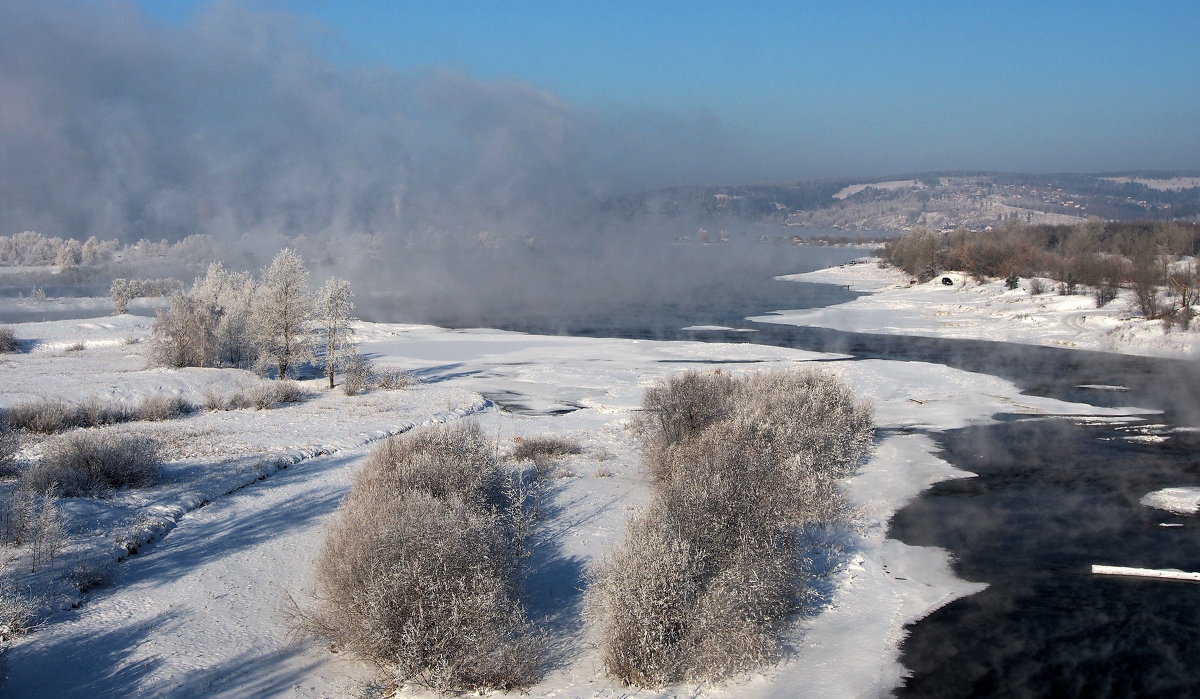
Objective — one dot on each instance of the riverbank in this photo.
(893, 304)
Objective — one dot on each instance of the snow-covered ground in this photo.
(966, 309)
(200, 610)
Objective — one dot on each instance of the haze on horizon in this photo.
(163, 117)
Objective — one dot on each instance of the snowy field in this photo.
(967, 309)
(235, 526)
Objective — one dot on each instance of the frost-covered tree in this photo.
(282, 318)
(334, 306)
(184, 334)
(230, 296)
(120, 292)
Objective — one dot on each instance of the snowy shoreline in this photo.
(224, 594)
(966, 309)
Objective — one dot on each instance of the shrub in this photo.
(1104, 294)
(288, 391)
(443, 461)
(530, 448)
(159, 407)
(18, 611)
(678, 408)
(214, 400)
(394, 379)
(91, 463)
(78, 346)
(357, 374)
(50, 416)
(1012, 281)
(268, 394)
(709, 573)
(34, 520)
(46, 416)
(423, 586)
(239, 401)
(9, 446)
(92, 576)
(418, 573)
(1037, 287)
(8, 340)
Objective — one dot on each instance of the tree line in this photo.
(1153, 258)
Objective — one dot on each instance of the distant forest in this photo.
(1102, 195)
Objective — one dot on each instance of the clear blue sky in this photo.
(827, 88)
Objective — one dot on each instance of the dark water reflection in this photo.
(1052, 498)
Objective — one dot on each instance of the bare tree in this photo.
(283, 315)
(334, 307)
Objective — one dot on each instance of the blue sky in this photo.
(816, 89)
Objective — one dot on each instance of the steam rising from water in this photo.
(116, 126)
(430, 188)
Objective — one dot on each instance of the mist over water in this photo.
(241, 123)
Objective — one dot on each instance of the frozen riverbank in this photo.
(966, 309)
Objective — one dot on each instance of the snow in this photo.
(856, 188)
(1165, 574)
(1182, 500)
(1161, 183)
(719, 327)
(235, 526)
(967, 309)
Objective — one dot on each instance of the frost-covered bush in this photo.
(419, 572)
(268, 394)
(33, 520)
(668, 613)
(677, 408)
(1104, 295)
(530, 448)
(444, 461)
(160, 407)
(18, 611)
(51, 416)
(709, 573)
(47, 416)
(214, 399)
(8, 340)
(394, 379)
(357, 373)
(92, 463)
